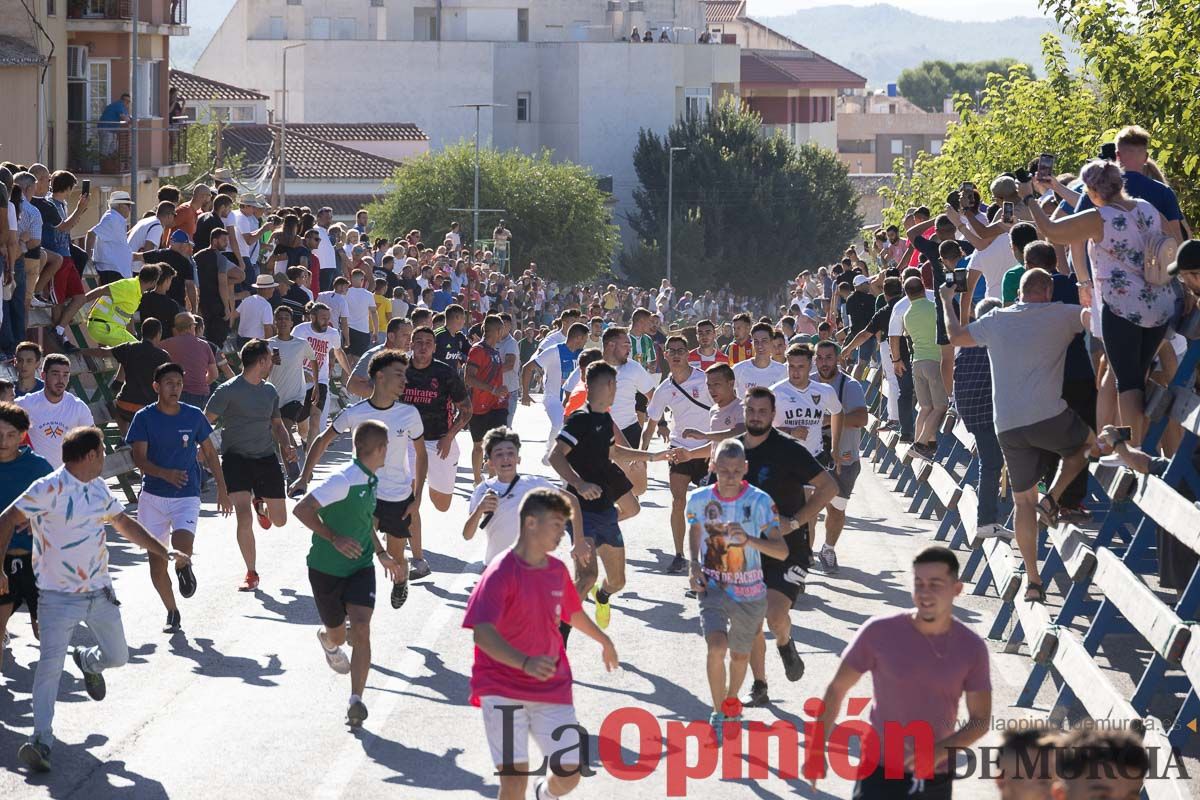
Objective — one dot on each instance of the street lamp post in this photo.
(475, 209)
(283, 129)
(670, 204)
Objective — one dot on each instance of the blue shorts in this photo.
(602, 528)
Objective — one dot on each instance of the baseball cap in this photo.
(859, 280)
(1187, 258)
(180, 237)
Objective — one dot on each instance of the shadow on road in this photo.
(301, 610)
(421, 769)
(79, 774)
(212, 663)
(454, 687)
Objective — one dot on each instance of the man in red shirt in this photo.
(742, 347)
(489, 399)
(187, 213)
(707, 353)
(521, 677)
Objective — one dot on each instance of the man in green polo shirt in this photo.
(340, 512)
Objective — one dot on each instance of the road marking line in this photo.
(353, 754)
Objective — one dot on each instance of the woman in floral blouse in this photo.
(1133, 312)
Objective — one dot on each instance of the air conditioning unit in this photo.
(77, 63)
(376, 3)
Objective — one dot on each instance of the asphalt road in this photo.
(241, 704)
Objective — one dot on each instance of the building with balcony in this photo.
(83, 51)
(874, 130)
(553, 72)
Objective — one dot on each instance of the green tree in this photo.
(557, 214)
(202, 156)
(750, 209)
(930, 82)
(1020, 116)
(1143, 57)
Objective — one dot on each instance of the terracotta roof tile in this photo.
(798, 68)
(195, 87)
(17, 53)
(344, 206)
(308, 158)
(361, 131)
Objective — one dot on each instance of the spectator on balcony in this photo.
(663, 37)
(107, 241)
(188, 213)
(150, 232)
(178, 107)
(115, 115)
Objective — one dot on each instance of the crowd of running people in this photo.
(401, 347)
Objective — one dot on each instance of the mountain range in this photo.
(879, 41)
(876, 41)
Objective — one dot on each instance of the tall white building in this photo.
(554, 69)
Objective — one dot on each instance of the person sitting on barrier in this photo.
(1176, 561)
(973, 401)
(1027, 345)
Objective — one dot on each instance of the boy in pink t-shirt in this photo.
(521, 677)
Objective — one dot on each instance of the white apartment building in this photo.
(554, 69)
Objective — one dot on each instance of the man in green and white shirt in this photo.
(340, 512)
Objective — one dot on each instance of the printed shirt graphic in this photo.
(50, 422)
(804, 409)
(67, 517)
(733, 569)
(322, 343)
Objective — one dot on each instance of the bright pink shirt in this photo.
(526, 605)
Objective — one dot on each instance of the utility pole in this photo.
(475, 209)
(670, 197)
(218, 158)
(134, 96)
(283, 129)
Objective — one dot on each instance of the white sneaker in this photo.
(828, 559)
(993, 531)
(335, 658)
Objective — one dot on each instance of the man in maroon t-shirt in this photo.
(922, 661)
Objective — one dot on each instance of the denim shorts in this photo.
(602, 528)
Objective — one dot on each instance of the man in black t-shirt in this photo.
(138, 360)
(437, 391)
(157, 302)
(452, 344)
(860, 308)
(783, 468)
(583, 458)
(179, 257)
(876, 328)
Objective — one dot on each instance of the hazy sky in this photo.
(974, 10)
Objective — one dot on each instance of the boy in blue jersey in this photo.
(731, 526)
(165, 437)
